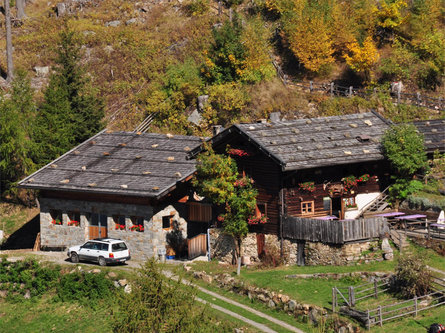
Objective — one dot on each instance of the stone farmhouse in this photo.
(131, 186)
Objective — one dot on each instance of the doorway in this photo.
(98, 226)
(337, 207)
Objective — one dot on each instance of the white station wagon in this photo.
(100, 250)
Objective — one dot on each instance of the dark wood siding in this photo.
(96, 197)
(294, 196)
(266, 174)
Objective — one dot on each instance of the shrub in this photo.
(82, 286)
(412, 277)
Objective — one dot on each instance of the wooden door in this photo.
(93, 232)
(98, 226)
(260, 243)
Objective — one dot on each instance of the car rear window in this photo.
(119, 247)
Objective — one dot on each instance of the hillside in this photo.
(157, 56)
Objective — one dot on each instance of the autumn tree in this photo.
(217, 178)
(361, 58)
(308, 35)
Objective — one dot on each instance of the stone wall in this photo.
(222, 248)
(142, 244)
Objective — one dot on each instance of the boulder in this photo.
(96, 271)
(207, 278)
(41, 70)
(271, 304)
(113, 24)
(284, 298)
(27, 294)
(202, 102)
(127, 289)
(292, 305)
(262, 298)
(112, 275)
(60, 9)
(123, 282)
(131, 21)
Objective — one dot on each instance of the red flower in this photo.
(238, 152)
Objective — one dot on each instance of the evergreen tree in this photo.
(71, 111)
(16, 116)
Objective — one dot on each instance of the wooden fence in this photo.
(337, 90)
(352, 294)
(413, 306)
(197, 246)
(333, 231)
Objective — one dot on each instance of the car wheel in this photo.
(74, 257)
(102, 261)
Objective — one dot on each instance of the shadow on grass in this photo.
(25, 237)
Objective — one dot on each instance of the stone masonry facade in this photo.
(222, 248)
(143, 245)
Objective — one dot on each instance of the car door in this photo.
(102, 250)
(86, 251)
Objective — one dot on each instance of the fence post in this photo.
(419, 99)
(399, 90)
(334, 294)
(375, 288)
(351, 296)
(332, 89)
(440, 103)
(219, 8)
(429, 230)
(311, 86)
(380, 316)
(415, 306)
(368, 321)
(350, 91)
(400, 242)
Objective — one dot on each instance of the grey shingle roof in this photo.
(146, 165)
(317, 142)
(434, 134)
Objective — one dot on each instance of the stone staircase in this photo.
(400, 240)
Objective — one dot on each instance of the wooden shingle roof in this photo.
(124, 163)
(434, 134)
(317, 142)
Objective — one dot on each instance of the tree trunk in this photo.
(20, 5)
(8, 42)
(238, 244)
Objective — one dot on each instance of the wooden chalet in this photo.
(124, 185)
(329, 167)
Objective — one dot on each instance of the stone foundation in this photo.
(142, 245)
(222, 248)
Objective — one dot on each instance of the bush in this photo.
(82, 286)
(21, 276)
(412, 277)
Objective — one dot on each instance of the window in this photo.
(88, 245)
(261, 208)
(138, 223)
(327, 203)
(74, 219)
(307, 207)
(56, 216)
(98, 220)
(349, 203)
(119, 247)
(119, 222)
(167, 222)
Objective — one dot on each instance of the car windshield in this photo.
(119, 247)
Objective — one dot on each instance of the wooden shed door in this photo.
(98, 226)
(260, 243)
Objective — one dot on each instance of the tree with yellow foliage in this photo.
(308, 34)
(362, 58)
(390, 14)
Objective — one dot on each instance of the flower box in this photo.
(257, 219)
(307, 186)
(119, 227)
(73, 223)
(139, 228)
(56, 222)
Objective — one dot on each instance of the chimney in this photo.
(216, 129)
(275, 117)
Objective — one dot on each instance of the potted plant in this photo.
(56, 221)
(73, 223)
(363, 179)
(137, 227)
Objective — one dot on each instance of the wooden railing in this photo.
(333, 231)
(197, 246)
